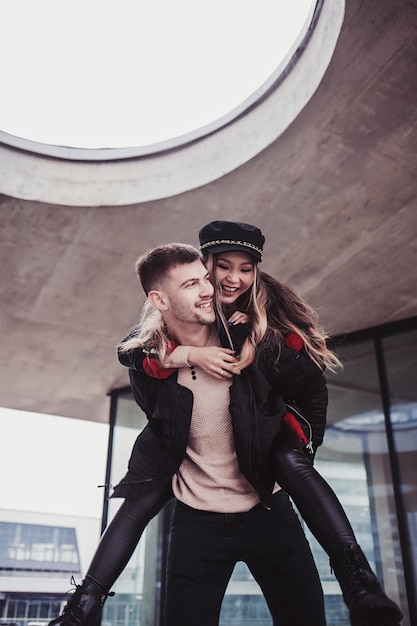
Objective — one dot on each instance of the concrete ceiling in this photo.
(336, 196)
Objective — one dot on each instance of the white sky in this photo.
(52, 464)
(96, 73)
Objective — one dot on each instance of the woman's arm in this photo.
(214, 360)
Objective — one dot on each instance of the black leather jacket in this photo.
(258, 400)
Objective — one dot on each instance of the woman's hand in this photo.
(238, 318)
(218, 362)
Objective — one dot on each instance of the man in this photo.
(228, 509)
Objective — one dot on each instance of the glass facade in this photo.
(29, 609)
(36, 548)
(34, 552)
(138, 589)
(368, 457)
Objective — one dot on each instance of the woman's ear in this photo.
(158, 300)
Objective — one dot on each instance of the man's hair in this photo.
(152, 267)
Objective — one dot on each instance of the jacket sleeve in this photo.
(132, 359)
(145, 391)
(302, 383)
(147, 362)
(147, 382)
(140, 384)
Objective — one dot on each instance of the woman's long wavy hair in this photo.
(275, 311)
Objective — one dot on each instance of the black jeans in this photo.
(205, 547)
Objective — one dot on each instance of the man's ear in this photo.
(158, 300)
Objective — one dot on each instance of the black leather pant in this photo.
(123, 533)
(313, 497)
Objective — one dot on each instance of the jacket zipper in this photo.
(294, 409)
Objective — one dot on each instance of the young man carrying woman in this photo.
(278, 358)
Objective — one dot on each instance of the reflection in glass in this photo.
(401, 363)
(137, 599)
(354, 460)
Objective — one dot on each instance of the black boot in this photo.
(84, 606)
(367, 603)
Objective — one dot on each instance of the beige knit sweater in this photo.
(209, 477)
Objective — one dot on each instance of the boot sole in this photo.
(379, 616)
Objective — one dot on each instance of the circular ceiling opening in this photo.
(136, 74)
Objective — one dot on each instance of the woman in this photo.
(278, 318)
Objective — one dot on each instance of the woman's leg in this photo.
(113, 553)
(123, 533)
(325, 517)
(313, 496)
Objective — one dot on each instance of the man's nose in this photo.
(207, 289)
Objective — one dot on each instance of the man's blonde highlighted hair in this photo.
(152, 269)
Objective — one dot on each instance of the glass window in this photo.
(354, 460)
(401, 364)
(244, 603)
(21, 608)
(35, 547)
(44, 610)
(137, 599)
(11, 608)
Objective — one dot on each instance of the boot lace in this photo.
(73, 610)
(357, 575)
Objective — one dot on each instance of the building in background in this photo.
(39, 554)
